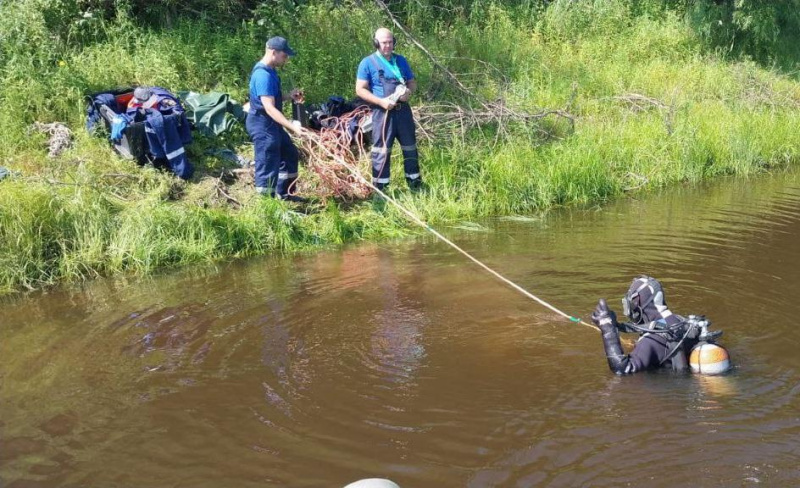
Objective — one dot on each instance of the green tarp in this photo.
(211, 113)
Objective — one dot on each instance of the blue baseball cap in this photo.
(280, 44)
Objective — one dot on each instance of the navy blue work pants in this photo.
(276, 156)
(398, 124)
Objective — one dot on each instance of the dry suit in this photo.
(664, 341)
(276, 156)
(384, 77)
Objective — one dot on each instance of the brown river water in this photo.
(406, 361)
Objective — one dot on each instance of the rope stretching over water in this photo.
(357, 174)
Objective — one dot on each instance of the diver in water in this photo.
(666, 339)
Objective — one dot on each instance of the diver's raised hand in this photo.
(603, 316)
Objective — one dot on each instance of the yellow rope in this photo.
(421, 223)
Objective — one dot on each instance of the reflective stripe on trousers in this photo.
(399, 125)
(276, 156)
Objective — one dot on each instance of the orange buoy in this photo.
(709, 358)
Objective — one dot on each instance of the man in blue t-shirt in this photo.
(276, 156)
(385, 80)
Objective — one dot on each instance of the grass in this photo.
(89, 213)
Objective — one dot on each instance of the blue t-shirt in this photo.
(368, 71)
(265, 83)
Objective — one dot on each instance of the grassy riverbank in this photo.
(653, 106)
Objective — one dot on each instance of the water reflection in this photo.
(404, 361)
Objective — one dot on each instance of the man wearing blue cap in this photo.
(276, 155)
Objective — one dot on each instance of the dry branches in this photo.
(219, 190)
(436, 119)
(446, 116)
(640, 103)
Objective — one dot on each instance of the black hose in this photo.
(680, 343)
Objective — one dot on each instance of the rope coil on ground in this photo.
(334, 141)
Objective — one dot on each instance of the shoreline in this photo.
(652, 106)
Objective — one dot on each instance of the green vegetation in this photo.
(661, 91)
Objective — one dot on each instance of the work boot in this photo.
(415, 185)
(378, 202)
(265, 192)
(293, 198)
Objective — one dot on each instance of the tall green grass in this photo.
(88, 212)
